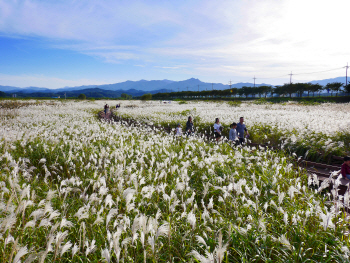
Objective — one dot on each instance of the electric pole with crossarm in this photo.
(346, 78)
(291, 74)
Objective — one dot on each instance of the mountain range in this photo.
(135, 88)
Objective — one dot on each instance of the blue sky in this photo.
(62, 43)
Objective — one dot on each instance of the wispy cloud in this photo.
(212, 38)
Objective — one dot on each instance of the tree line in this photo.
(300, 89)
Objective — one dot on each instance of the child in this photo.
(233, 134)
(178, 130)
(217, 129)
(345, 168)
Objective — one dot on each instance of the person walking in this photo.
(241, 129)
(217, 129)
(189, 126)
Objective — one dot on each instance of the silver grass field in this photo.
(76, 189)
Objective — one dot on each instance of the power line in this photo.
(304, 73)
(282, 76)
(318, 71)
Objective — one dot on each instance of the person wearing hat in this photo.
(345, 168)
(178, 130)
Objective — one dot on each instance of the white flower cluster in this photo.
(73, 187)
(326, 118)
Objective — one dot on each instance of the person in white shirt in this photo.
(178, 130)
(217, 129)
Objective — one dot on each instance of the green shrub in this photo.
(147, 96)
(234, 103)
(261, 101)
(82, 96)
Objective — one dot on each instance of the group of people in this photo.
(237, 134)
(106, 107)
(189, 128)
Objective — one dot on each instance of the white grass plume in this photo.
(66, 248)
(21, 252)
(105, 255)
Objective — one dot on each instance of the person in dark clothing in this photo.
(345, 168)
(241, 128)
(189, 126)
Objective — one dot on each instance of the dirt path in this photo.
(107, 116)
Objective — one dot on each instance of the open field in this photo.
(318, 130)
(74, 189)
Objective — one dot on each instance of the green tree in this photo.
(280, 90)
(147, 96)
(334, 86)
(288, 88)
(82, 96)
(246, 91)
(126, 96)
(259, 90)
(347, 88)
(252, 91)
(314, 88)
(299, 88)
(264, 90)
(234, 92)
(240, 92)
(2, 94)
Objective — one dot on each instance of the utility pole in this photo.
(254, 81)
(291, 74)
(230, 84)
(346, 79)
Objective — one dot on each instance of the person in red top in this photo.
(345, 168)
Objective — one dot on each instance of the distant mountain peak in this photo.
(191, 84)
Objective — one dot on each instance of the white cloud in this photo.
(227, 38)
(88, 20)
